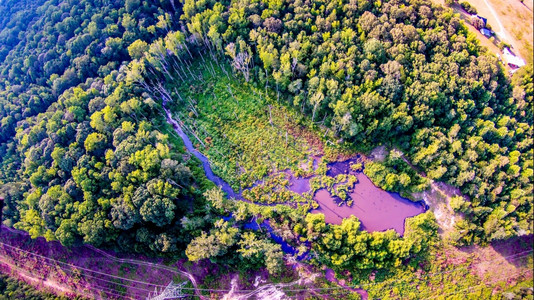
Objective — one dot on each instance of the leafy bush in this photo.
(468, 8)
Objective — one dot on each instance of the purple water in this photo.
(205, 162)
(227, 189)
(377, 209)
(341, 167)
(299, 185)
(315, 163)
(286, 247)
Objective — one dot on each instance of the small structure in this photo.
(486, 32)
(481, 18)
(512, 61)
(171, 291)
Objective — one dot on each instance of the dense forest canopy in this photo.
(87, 157)
(58, 45)
(403, 73)
(83, 156)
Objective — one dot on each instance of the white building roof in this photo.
(512, 60)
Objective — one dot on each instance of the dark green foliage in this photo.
(468, 8)
(394, 174)
(398, 72)
(122, 178)
(49, 48)
(85, 156)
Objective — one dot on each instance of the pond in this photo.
(377, 209)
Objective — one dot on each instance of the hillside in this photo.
(364, 141)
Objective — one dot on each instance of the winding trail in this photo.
(502, 32)
(96, 273)
(261, 292)
(49, 283)
(433, 183)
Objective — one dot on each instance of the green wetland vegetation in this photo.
(247, 135)
(270, 92)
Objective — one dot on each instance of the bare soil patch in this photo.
(507, 261)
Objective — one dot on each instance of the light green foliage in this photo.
(346, 247)
(459, 203)
(242, 131)
(86, 155)
(274, 190)
(90, 159)
(248, 137)
(261, 251)
(137, 49)
(94, 141)
(215, 244)
(339, 186)
(394, 174)
(405, 73)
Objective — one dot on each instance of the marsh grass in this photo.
(252, 141)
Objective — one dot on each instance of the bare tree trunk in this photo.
(270, 117)
(231, 93)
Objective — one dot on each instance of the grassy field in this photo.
(516, 18)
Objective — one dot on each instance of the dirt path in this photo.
(438, 199)
(98, 274)
(37, 280)
(508, 261)
(517, 20)
(512, 20)
(86, 270)
(152, 265)
(502, 32)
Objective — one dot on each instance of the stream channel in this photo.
(376, 209)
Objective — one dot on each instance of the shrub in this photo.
(503, 45)
(468, 8)
(477, 23)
